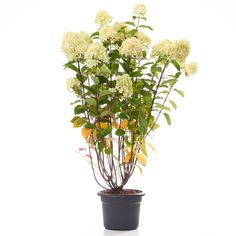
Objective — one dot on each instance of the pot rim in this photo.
(119, 195)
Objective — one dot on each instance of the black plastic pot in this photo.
(121, 211)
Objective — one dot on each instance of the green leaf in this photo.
(120, 132)
(90, 89)
(176, 64)
(115, 67)
(108, 150)
(78, 121)
(94, 34)
(173, 104)
(180, 92)
(156, 126)
(142, 122)
(107, 130)
(144, 54)
(143, 149)
(151, 121)
(114, 54)
(71, 66)
(146, 27)
(130, 23)
(158, 105)
(104, 93)
(90, 126)
(153, 69)
(167, 116)
(147, 100)
(102, 79)
(116, 106)
(79, 109)
(105, 113)
(143, 18)
(177, 75)
(100, 146)
(164, 92)
(91, 101)
(95, 80)
(103, 100)
(123, 116)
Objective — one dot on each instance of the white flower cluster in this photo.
(124, 85)
(143, 38)
(71, 83)
(140, 10)
(181, 49)
(190, 68)
(103, 18)
(74, 45)
(162, 48)
(178, 50)
(131, 47)
(107, 32)
(95, 53)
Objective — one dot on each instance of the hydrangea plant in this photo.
(122, 88)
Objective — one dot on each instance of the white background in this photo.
(46, 188)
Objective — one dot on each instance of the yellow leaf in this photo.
(124, 124)
(151, 147)
(115, 125)
(132, 125)
(78, 122)
(127, 157)
(110, 139)
(140, 169)
(86, 133)
(143, 147)
(102, 125)
(141, 159)
(107, 144)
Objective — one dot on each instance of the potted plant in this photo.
(121, 92)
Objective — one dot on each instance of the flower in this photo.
(180, 50)
(143, 38)
(162, 48)
(74, 45)
(95, 53)
(121, 30)
(124, 85)
(140, 10)
(131, 47)
(107, 32)
(190, 68)
(118, 26)
(71, 83)
(103, 18)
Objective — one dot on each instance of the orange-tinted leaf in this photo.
(141, 159)
(124, 124)
(86, 132)
(103, 125)
(127, 157)
(115, 125)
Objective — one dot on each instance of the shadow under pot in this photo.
(121, 210)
